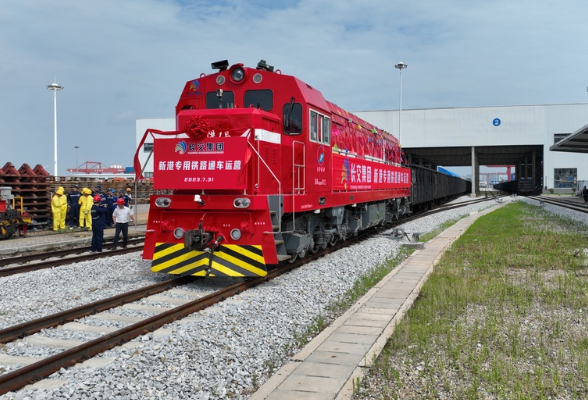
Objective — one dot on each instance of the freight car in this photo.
(524, 187)
(264, 170)
(431, 188)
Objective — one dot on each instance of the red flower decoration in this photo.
(197, 128)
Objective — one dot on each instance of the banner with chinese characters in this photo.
(350, 173)
(210, 163)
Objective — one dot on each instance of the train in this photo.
(263, 170)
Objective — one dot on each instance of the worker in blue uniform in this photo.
(98, 213)
(110, 206)
(122, 195)
(73, 199)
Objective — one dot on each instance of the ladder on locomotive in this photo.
(298, 170)
(298, 188)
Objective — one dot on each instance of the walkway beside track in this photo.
(329, 365)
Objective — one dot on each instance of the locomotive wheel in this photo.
(316, 248)
(292, 258)
(333, 241)
(296, 256)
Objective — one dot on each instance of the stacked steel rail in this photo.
(30, 184)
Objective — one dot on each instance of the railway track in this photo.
(569, 204)
(17, 265)
(33, 372)
(446, 207)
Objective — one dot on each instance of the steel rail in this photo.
(57, 253)
(571, 205)
(56, 263)
(28, 328)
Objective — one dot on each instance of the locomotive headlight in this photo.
(237, 74)
(163, 202)
(235, 234)
(241, 202)
(178, 233)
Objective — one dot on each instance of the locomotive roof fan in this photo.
(220, 65)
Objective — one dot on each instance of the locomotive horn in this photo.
(220, 65)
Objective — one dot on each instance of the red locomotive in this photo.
(264, 170)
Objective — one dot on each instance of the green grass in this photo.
(503, 316)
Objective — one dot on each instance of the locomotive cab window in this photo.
(226, 100)
(320, 128)
(292, 118)
(262, 99)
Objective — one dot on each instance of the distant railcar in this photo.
(524, 187)
(431, 188)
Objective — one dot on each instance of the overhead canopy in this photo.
(577, 142)
(462, 156)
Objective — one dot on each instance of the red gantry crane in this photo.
(96, 167)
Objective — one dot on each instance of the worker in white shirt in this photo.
(121, 217)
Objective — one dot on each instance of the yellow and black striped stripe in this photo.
(228, 260)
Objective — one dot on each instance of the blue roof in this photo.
(446, 172)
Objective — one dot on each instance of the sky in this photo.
(123, 60)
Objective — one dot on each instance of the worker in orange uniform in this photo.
(64, 207)
(56, 210)
(86, 202)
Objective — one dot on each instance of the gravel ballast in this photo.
(224, 352)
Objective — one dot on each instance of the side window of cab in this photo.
(292, 118)
(320, 128)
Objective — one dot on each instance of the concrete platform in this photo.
(327, 367)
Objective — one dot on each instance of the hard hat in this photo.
(59, 191)
(76, 186)
(97, 199)
(86, 191)
(60, 188)
(120, 201)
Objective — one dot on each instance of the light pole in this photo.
(76, 147)
(400, 66)
(55, 88)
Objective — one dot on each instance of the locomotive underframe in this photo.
(315, 230)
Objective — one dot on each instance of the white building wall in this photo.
(141, 126)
